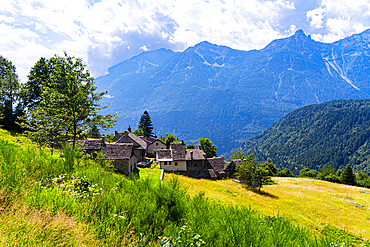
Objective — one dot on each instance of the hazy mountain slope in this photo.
(229, 95)
(334, 133)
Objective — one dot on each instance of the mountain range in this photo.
(334, 133)
(230, 95)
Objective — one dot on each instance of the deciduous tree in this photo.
(68, 102)
(168, 138)
(207, 146)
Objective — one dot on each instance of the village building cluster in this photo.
(127, 150)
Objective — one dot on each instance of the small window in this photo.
(165, 163)
(195, 164)
(156, 144)
(176, 163)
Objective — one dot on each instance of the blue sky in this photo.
(106, 32)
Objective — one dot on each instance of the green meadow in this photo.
(63, 199)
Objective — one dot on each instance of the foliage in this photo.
(306, 172)
(78, 188)
(112, 213)
(93, 132)
(31, 91)
(109, 137)
(185, 237)
(284, 173)
(237, 155)
(347, 176)
(190, 146)
(168, 138)
(138, 132)
(68, 102)
(330, 134)
(9, 95)
(361, 176)
(270, 167)
(253, 173)
(146, 125)
(326, 171)
(207, 146)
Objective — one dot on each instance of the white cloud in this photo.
(109, 31)
(316, 16)
(338, 19)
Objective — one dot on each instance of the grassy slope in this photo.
(36, 216)
(308, 202)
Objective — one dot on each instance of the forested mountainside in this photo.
(230, 95)
(334, 133)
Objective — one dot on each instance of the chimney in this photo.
(129, 128)
(182, 141)
(115, 132)
(103, 139)
(191, 155)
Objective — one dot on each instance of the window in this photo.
(195, 164)
(165, 163)
(176, 163)
(156, 144)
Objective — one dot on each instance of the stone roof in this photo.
(208, 173)
(164, 154)
(151, 139)
(198, 154)
(90, 144)
(117, 151)
(120, 135)
(218, 164)
(178, 151)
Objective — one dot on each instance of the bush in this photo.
(306, 172)
(284, 173)
(332, 178)
(364, 183)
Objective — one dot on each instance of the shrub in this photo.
(306, 172)
(284, 173)
(332, 178)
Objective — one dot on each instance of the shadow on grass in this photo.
(260, 192)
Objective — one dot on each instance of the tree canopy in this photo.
(207, 146)
(9, 95)
(146, 124)
(168, 138)
(253, 173)
(68, 102)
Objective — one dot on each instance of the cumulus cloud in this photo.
(106, 32)
(337, 19)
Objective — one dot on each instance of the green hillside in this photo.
(334, 133)
(65, 200)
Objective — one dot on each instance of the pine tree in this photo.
(146, 124)
(347, 176)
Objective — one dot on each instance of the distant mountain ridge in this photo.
(230, 95)
(334, 133)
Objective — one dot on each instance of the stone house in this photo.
(121, 155)
(219, 165)
(153, 143)
(172, 159)
(195, 162)
(139, 145)
(178, 158)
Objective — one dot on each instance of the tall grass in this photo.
(136, 210)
